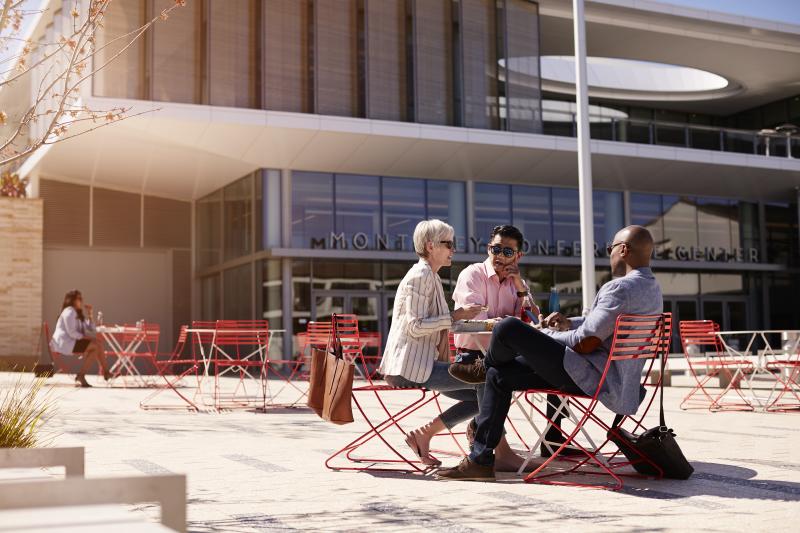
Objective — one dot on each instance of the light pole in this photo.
(584, 157)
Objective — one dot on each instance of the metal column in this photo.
(584, 158)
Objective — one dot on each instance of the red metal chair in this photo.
(173, 370)
(240, 348)
(635, 337)
(59, 364)
(344, 333)
(707, 359)
(138, 342)
(786, 369)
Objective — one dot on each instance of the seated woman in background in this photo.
(417, 350)
(74, 334)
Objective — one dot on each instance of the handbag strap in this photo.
(662, 357)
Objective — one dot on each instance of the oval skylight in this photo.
(631, 75)
(627, 78)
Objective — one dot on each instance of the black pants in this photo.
(519, 358)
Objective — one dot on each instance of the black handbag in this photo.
(655, 452)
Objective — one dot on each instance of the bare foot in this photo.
(510, 463)
(416, 441)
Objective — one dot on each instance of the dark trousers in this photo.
(519, 358)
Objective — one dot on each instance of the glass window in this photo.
(335, 57)
(522, 83)
(781, 229)
(678, 284)
(209, 229)
(609, 217)
(287, 80)
(233, 31)
(348, 275)
(479, 63)
(238, 293)
(566, 218)
(301, 297)
(646, 211)
(358, 206)
(721, 284)
(532, 213)
(122, 77)
(270, 300)
(268, 204)
(745, 230)
(176, 71)
(402, 210)
(433, 61)
(680, 224)
(386, 61)
(447, 201)
(238, 218)
(540, 279)
(492, 208)
(714, 216)
(210, 298)
(312, 209)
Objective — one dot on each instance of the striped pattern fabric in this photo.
(420, 318)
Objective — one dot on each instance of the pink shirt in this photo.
(478, 284)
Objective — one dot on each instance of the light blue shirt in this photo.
(69, 329)
(637, 293)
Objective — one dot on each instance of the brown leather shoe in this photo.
(473, 374)
(467, 471)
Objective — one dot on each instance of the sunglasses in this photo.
(611, 247)
(497, 250)
(448, 244)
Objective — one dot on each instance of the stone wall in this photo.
(20, 277)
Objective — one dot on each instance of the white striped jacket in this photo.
(419, 320)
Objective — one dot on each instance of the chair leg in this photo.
(396, 459)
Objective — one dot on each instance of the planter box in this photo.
(21, 223)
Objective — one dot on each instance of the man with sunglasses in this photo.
(567, 354)
(497, 286)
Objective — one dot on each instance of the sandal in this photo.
(411, 441)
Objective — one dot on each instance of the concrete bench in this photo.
(169, 491)
(72, 459)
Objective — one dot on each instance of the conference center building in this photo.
(287, 149)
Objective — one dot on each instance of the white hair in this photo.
(431, 231)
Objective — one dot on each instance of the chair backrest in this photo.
(242, 332)
(149, 335)
(700, 333)
(641, 337)
(318, 334)
(346, 329)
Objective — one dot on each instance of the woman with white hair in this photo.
(417, 350)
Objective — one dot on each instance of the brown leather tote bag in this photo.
(316, 381)
(337, 406)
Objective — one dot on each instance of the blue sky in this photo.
(787, 11)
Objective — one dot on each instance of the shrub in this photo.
(24, 409)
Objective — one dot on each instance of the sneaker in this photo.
(472, 374)
(467, 471)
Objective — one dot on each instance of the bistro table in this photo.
(206, 342)
(761, 359)
(126, 343)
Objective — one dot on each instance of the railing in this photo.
(679, 134)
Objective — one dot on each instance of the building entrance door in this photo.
(729, 312)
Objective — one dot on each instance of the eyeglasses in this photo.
(497, 250)
(448, 244)
(612, 246)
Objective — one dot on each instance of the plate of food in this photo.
(473, 326)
